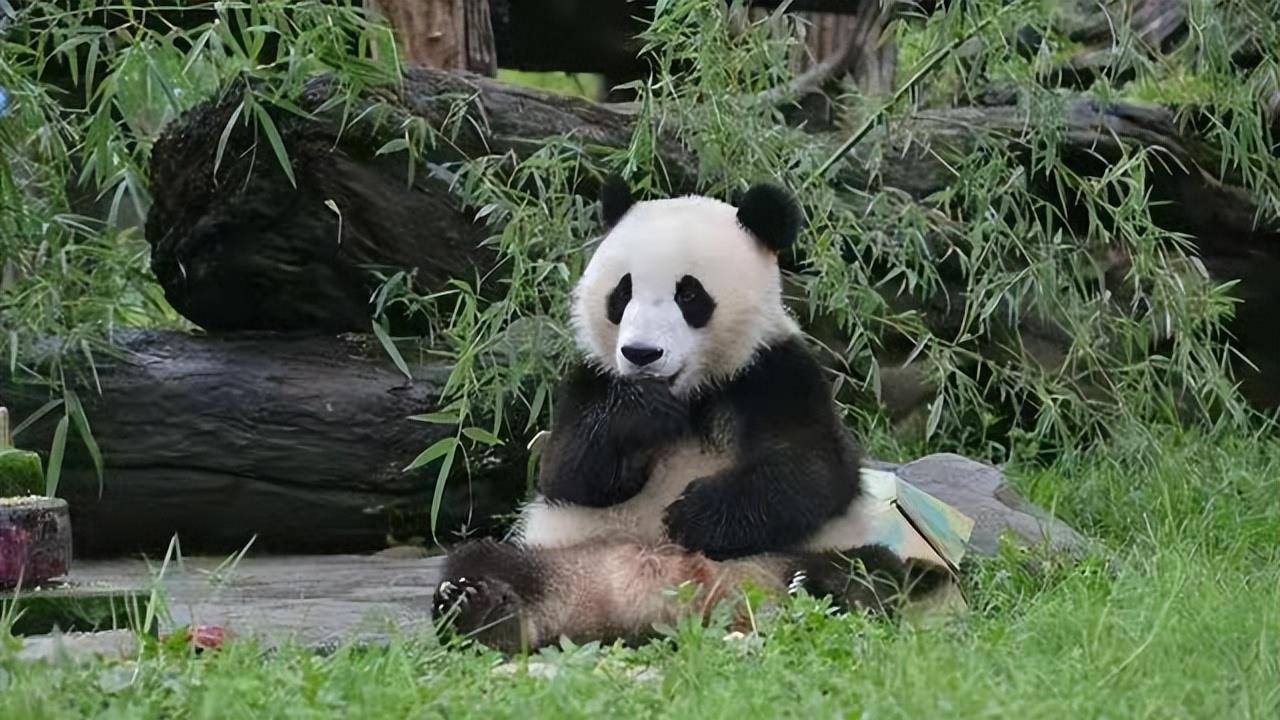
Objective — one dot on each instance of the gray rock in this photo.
(980, 491)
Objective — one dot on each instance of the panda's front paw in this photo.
(645, 412)
(697, 521)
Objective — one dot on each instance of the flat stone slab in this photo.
(310, 599)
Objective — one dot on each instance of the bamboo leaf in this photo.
(435, 452)
(535, 407)
(441, 477)
(481, 436)
(59, 448)
(393, 145)
(34, 417)
(935, 416)
(76, 410)
(226, 134)
(438, 418)
(391, 349)
(277, 144)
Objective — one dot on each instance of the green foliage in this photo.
(951, 282)
(584, 85)
(954, 284)
(21, 473)
(91, 85)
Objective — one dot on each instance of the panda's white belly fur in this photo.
(639, 519)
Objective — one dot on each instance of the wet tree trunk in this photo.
(442, 34)
(852, 45)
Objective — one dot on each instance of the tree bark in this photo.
(1151, 27)
(246, 250)
(852, 44)
(599, 36)
(834, 47)
(442, 34)
(299, 440)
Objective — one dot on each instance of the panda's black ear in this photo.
(771, 214)
(615, 200)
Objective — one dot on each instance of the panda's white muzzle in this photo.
(653, 340)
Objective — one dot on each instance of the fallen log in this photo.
(1189, 192)
(243, 249)
(299, 440)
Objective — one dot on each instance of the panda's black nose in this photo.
(639, 355)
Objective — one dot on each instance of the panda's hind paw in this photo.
(475, 607)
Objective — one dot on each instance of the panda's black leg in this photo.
(871, 577)
(485, 592)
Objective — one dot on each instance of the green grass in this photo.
(586, 85)
(1176, 615)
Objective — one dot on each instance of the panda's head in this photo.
(685, 289)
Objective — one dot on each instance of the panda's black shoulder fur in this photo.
(615, 200)
(783, 384)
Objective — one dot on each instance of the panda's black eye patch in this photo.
(695, 304)
(618, 299)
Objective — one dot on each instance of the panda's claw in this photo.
(798, 581)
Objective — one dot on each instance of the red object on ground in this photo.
(207, 637)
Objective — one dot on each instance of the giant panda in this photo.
(697, 442)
